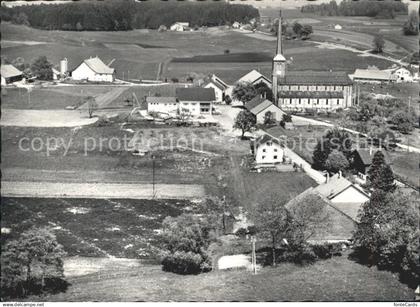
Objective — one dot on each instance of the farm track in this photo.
(101, 190)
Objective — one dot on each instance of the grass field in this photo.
(94, 227)
(48, 98)
(336, 279)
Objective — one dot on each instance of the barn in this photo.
(10, 74)
(95, 70)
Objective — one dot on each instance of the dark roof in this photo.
(366, 156)
(264, 139)
(309, 77)
(153, 99)
(310, 94)
(195, 94)
(254, 102)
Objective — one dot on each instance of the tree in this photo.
(387, 233)
(333, 139)
(244, 92)
(264, 90)
(228, 100)
(378, 44)
(31, 259)
(271, 220)
(245, 120)
(42, 69)
(309, 217)
(336, 161)
(306, 31)
(404, 121)
(297, 28)
(185, 242)
(21, 19)
(287, 118)
(411, 27)
(92, 105)
(380, 175)
(79, 26)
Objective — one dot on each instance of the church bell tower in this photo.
(279, 64)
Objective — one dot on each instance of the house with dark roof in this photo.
(93, 69)
(260, 106)
(195, 100)
(313, 90)
(362, 159)
(10, 74)
(267, 150)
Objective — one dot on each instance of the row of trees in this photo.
(295, 30)
(121, 15)
(371, 8)
(387, 234)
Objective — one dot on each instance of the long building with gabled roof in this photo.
(313, 90)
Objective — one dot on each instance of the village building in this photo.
(338, 27)
(166, 105)
(373, 76)
(10, 74)
(195, 100)
(260, 106)
(362, 160)
(236, 25)
(219, 86)
(95, 70)
(254, 77)
(267, 150)
(180, 26)
(402, 74)
(303, 90)
(339, 190)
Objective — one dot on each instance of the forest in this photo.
(122, 15)
(370, 8)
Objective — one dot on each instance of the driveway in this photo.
(44, 118)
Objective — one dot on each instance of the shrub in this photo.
(327, 250)
(185, 263)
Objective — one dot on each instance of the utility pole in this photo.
(253, 256)
(408, 136)
(153, 177)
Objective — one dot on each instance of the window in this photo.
(299, 100)
(338, 101)
(326, 102)
(275, 149)
(275, 157)
(263, 157)
(268, 143)
(263, 150)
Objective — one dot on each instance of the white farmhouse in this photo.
(195, 100)
(179, 26)
(402, 74)
(254, 77)
(95, 70)
(166, 105)
(219, 86)
(267, 150)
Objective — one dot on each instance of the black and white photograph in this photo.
(210, 151)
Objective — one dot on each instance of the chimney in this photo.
(339, 174)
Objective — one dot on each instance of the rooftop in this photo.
(373, 74)
(251, 77)
(309, 77)
(195, 94)
(261, 107)
(9, 71)
(153, 99)
(367, 155)
(254, 102)
(98, 66)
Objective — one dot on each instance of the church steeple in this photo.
(279, 63)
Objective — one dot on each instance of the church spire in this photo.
(279, 34)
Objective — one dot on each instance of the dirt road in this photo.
(101, 190)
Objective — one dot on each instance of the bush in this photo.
(302, 255)
(185, 263)
(327, 250)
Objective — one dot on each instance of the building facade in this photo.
(308, 90)
(94, 70)
(195, 101)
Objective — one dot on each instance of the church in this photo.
(308, 90)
